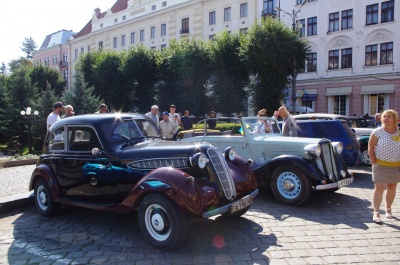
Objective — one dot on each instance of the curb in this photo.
(16, 201)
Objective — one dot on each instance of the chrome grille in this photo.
(156, 163)
(223, 173)
(329, 161)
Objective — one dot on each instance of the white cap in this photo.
(154, 107)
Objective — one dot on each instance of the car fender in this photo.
(46, 173)
(175, 184)
(265, 171)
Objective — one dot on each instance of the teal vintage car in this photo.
(364, 157)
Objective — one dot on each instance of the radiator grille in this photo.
(223, 173)
(328, 161)
(156, 163)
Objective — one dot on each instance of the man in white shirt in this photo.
(167, 127)
(175, 117)
(55, 115)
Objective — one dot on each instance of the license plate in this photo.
(241, 204)
(345, 182)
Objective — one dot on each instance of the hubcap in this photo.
(157, 222)
(42, 198)
(289, 185)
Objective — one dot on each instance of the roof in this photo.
(56, 38)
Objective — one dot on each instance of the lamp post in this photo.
(28, 115)
(293, 15)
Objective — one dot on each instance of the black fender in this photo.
(46, 173)
(308, 167)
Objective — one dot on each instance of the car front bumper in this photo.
(227, 208)
(339, 184)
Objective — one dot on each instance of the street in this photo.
(331, 228)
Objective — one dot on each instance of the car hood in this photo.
(162, 149)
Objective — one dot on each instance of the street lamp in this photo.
(293, 15)
(27, 114)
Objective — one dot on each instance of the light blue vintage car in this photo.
(291, 166)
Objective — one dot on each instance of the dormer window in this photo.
(101, 25)
(115, 20)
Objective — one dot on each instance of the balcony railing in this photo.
(63, 63)
(269, 12)
(184, 31)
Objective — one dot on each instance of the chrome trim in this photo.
(330, 185)
(178, 162)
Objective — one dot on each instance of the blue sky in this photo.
(39, 18)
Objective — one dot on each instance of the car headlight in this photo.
(313, 150)
(199, 160)
(230, 152)
(337, 147)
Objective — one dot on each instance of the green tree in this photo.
(139, 71)
(3, 68)
(81, 97)
(268, 51)
(5, 121)
(28, 47)
(13, 65)
(230, 75)
(41, 76)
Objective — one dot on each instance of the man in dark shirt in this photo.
(212, 123)
(186, 121)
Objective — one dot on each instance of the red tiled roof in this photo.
(117, 7)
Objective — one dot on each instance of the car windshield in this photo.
(123, 130)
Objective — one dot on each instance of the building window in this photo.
(101, 25)
(387, 53)
(185, 26)
(123, 18)
(334, 22)
(211, 18)
(269, 7)
(312, 26)
(227, 14)
(333, 60)
(133, 37)
(163, 29)
(115, 42)
(302, 30)
(115, 20)
(65, 74)
(82, 50)
(243, 10)
(347, 19)
(339, 105)
(100, 45)
(152, 32)
(372, 14)
(123, 40)
(376, 103)
(153, 7)
(243, 31)
(141, 35)
(211, 37)
(164, 4)
(65, 57)
(163, 46)
(311, 63)
(88, 48)
(371, 54)
(347, 58)
(387, 14)
(76, 54)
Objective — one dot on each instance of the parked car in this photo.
(359, 131)
(336, 131)
(360, 122)
(119, 164)
(364, 156)
(291, 166)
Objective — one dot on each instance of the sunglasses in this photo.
(262, 115)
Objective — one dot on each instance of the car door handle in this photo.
(244, 146)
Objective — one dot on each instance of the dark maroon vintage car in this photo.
(119, 163)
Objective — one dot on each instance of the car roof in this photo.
(319, 115)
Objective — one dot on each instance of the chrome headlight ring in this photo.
(230, 153)
(313, 150)
(199, 160)
(337, 147)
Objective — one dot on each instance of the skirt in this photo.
(383, 174)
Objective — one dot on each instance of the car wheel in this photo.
(290, 186)
(236, 214)
(364, 156)
(44, 199)
(162, 222)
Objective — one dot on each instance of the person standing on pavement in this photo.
(186, 121)
(153, 114)
(378, 119)
(212, 122)
(68, 112)
(289, 127)
(55, 115)
(384, 153)
(167, 127)
(175, 117)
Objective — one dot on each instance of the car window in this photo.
(56, 139)
(82, 138)
(121, 131)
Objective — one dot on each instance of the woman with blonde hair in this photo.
(384, 152)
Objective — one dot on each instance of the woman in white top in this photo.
(384, 152)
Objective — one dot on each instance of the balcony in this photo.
(63, 63)
(184, 31)
(269, 12)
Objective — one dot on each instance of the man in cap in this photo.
(167, 127)
(153, 114)
(55, 115)
(102, 109)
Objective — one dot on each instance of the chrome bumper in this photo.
(333, 185)
(226, 208)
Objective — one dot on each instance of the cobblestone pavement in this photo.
(331, 228)
(15, 180)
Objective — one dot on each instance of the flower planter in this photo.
(15, 163)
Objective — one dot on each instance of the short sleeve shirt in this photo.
(388, 145)
(52, 118)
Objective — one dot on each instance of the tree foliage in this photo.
(42, 76)
(28, 47)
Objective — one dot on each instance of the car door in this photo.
(85, 176)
